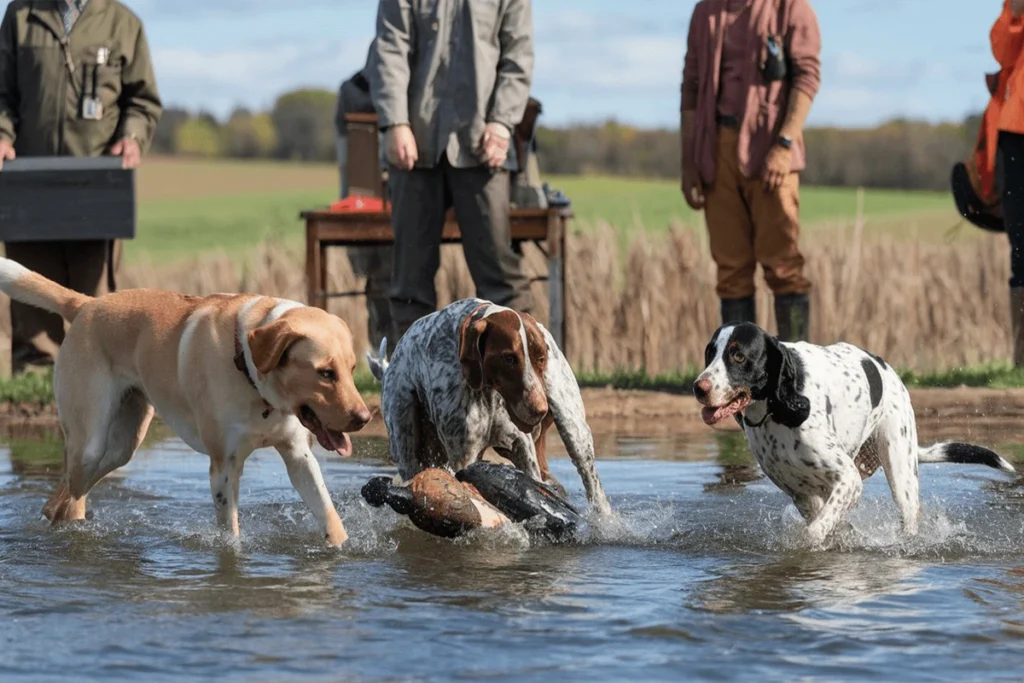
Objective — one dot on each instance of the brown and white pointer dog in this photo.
(476, 375)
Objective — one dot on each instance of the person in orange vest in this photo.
(1008, 48)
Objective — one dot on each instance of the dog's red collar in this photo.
(243, 367)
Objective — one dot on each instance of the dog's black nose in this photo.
(701, 388)
(361, 418)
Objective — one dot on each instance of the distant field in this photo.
(656, 204)
(192, 206)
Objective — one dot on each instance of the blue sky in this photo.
(596, 59)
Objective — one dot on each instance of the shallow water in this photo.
(703, 576)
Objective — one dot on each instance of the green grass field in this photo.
(655, 204)
(170, 229)
(187, 207)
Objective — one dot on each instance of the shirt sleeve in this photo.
(388, 68)
(140, 100)
(1007, 37)
(515, 66)
(804, 41)
(691, 83)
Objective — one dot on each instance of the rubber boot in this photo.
(738, 310)
(792, 311)
(1017, 318)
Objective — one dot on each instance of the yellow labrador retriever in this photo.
(229, 373)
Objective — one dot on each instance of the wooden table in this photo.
(349, 229)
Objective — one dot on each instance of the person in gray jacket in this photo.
(450, 80)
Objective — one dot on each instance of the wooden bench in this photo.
(366, 177)
(326, 229)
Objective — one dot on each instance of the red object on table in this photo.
(357, 203)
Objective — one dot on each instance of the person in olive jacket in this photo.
(76, 79)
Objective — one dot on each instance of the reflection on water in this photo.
(703, 570)
(798, 580)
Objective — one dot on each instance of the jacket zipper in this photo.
(66, 50)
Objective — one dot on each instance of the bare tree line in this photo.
(900, 154)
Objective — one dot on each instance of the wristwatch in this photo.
(784, 142)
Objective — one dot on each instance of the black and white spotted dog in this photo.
(820, 419)
(476, 375)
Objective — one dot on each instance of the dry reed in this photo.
(653, 306)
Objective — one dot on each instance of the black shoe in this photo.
(792, 311)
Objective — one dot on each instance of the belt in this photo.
(728, 121)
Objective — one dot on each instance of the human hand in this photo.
(776, 167)
(495, 144)
(693, 188)
(129, 151)
(401, 147)
(6, 151)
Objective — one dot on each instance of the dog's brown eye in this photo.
(510, 359)
(738, 357)
(328, 374)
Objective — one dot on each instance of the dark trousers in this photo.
(1010, 175)
(480, 197)
(85, 266)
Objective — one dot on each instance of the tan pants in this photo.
(85, 266)
(748, 225)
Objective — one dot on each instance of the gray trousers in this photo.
(480, 197)
(373, 263)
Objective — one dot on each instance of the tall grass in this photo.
(924, 307)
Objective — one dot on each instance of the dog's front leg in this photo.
(846, 490)
(225, 475)
(304, 472)
(565, 403)
(524, 456)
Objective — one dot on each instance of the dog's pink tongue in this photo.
(709, 415)
(335, 441)
(344, 449)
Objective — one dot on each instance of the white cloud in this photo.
(596, 59)
(227, 67)
(618, 65)
(194, 9)
(219, 80)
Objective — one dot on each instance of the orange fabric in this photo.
(357, 203)
(988, 136)
(1007, 38)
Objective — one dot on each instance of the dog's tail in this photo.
(27, 287)
(963, 454)
(379, 365)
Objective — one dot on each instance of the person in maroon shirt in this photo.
(751, 71)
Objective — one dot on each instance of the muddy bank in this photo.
(964, 413)
(961, 412)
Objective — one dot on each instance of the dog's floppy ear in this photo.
(471, 352)
(269, 343)
(785, 382)
(537, 346)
